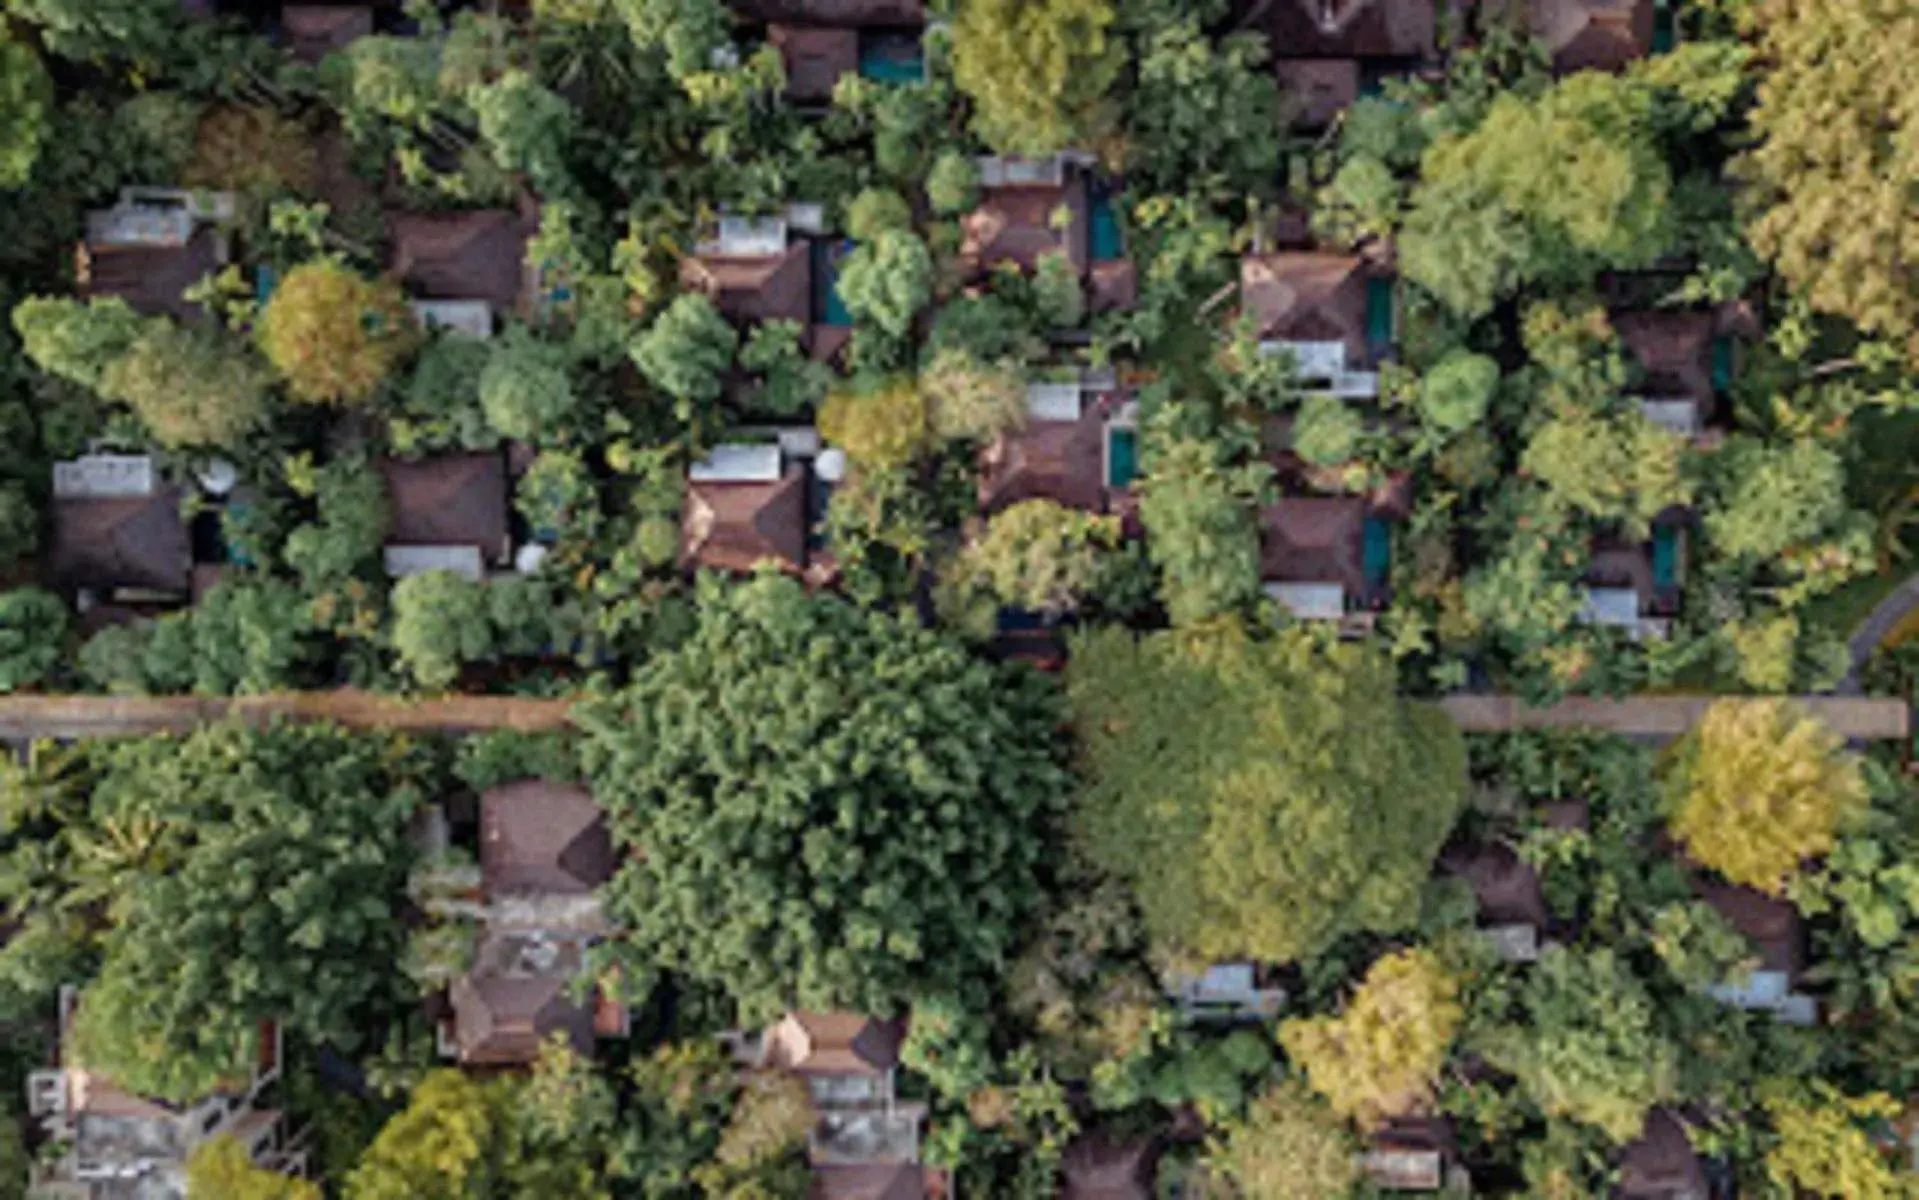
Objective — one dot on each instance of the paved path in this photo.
(108, 716)
(1876, 628)
(1853, 717)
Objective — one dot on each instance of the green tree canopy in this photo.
(970, 399)
(1585, 1045)
(687, 352)
(26, 103)
(440, 623)
(1038, 71)
(525, 388)
(874, 800)
(1262, 796)
(880, 424)
(1040, 556)
(275, 900)
(1761, 787)
(1287, 1144)
(888, 280)
(1544, 189)
(190, 387)
(33, 634)
(1203, 113)
(1200, 528)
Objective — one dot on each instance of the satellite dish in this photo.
(219, 476)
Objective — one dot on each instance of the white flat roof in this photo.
(1053, 401)
(465, 561)
(735, 462)
(1310, 601)
(103, 476)
(471, 317)
(1614, 606)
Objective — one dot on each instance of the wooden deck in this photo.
(21, 717)
(1854, 718)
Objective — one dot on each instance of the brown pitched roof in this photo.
(772, 288)
(463, 255)
(1314, 539)
(545, 837)
(1059, 461)
(448, 500)
(150, 278)
(136, 543)
(501, 1020)
(1674, 350)
(1097, 1167)
(834, 1043)
(1015, 225)
(869, 1181)
(1319, 89)
(815, 58)
(1660, 1164)
(835, 12)
(1772, 925)
(1594, 35)
(1345, 28)
(1306, 297)
(1505, 885)
(312, 31)
(1620, 563)
(736, 526)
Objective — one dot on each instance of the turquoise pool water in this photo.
(1122, 457)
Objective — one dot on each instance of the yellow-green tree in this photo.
(222, 1167)
(1761, 787)
(1837, 157)
(1380, 1057)
(334, 334)
(879, 426)
(439, 1147)
(1038, 71)
(1823, 1146)
(1287, 1144)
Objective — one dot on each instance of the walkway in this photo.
(1855, 718)
(21, 717)
(1876, 628)
(109, 716)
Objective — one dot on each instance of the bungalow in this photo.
(1325, 558)
(153, 245)
(1682, 364)
(1415, 1154)
(544, 851)
(822, 40)
(1078, 446)
(117, 531)
(1660, 1164)
(1636, 586)
(475, 257)
(1507, 891)
(1333, 313)
(1100, 1166)
(1778, 935)
(114, 1143)
(753, 502)
(447, 512)
(1599, 35)
(1330, 52)
(1032, 208)
(753, 270)
(864, 1143)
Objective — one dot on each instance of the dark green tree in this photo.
(879, 801)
